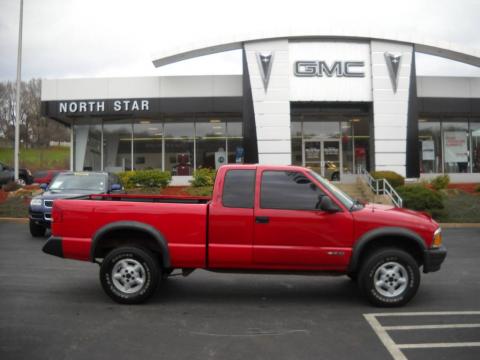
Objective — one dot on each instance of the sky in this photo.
(109, 38)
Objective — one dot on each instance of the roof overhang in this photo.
(442, 49)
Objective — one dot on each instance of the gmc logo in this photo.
(321, 68)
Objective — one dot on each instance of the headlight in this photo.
(36, 202)
(437, 238)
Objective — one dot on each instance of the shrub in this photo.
(203, 177)
(145, 179)
(477, 189)
(11, 186)
(440, 182)
(418, 197)
(392, 177)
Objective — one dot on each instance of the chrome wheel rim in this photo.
(128, 276)
(391, 279)
(21, 182)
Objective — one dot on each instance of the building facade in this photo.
(337, 105)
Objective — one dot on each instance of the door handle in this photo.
(262, 219)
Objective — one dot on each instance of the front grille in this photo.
(48, 203)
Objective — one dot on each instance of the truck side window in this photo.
(289, 190)
(239, 189)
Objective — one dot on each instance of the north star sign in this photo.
(353, 69)
(99, 106)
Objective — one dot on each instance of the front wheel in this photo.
(130, 275)
(389, 277)
(37, 230)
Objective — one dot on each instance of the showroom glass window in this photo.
(179, 146)
(147, 144)
(211, 143)
(117, 149)
(456, 146)
(297, 136)
(87, 138)
(289, 190)
(475, 144)
(235, 149)
(430, 147)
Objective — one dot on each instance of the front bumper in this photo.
(53, 246)
(433, 259)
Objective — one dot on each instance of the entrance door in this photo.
(323, 157)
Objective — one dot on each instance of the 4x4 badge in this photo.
(265, 61)
(393, 65)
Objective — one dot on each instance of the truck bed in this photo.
(180, 199)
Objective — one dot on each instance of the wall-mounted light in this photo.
(145, 122)
(213, 121)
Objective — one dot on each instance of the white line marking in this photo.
(428, 313)
(384, 337)
(255, 333)
(433, 327)
(438, 345)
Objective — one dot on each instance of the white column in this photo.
(390, 109)
(271, 107)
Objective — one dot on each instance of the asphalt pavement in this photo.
(51, 308)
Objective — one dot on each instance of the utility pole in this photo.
(19, 83)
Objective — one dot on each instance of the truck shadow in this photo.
(248, 289)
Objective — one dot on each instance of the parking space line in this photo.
(438, 345)
(396, 349)
(427, 327)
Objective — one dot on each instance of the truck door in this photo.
(230, 220)
(290, 229)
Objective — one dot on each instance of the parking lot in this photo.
(52, 308)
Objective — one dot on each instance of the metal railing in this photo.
(382, 187)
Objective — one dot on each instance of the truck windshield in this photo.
(79, 181)
(346, 200)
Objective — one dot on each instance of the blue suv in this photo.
(68, 185)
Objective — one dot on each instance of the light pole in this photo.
(19, 80)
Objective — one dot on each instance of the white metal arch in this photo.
(437, 48)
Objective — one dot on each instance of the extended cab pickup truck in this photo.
(283, 219)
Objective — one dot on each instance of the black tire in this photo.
(385, 259)
(37, 230)
(353, 276)
(150, 274)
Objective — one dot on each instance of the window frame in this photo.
(254, 175)
(312, 181)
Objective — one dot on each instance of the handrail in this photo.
(382, 187)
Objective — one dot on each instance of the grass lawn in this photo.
(57, 157)
(14, 207)
(461, 207)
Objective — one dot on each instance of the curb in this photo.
(460, 225)
(12, 219)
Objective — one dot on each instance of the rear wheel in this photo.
(389, 277)
(130, 275)
(37, 230)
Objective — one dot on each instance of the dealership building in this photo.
(338, 104)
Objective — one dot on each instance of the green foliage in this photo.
(145, 179)
(203, 177)
(200, 190)
(418, 197)
(440, 182)
(392, 177)
(477, 189)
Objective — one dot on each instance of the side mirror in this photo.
(326, 204)
(116, 187)
(43, 186)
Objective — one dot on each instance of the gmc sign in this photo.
(321, 68)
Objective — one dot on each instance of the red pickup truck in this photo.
(281, 219)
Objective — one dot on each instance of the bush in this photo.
(145, 179)
(11, 186)
(203, 177)
(418, 197)
(392, 177)
(477, 189)
(440, 182)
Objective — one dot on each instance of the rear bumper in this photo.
(433, 259)
(53, 246)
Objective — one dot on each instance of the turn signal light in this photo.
(437, 238)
